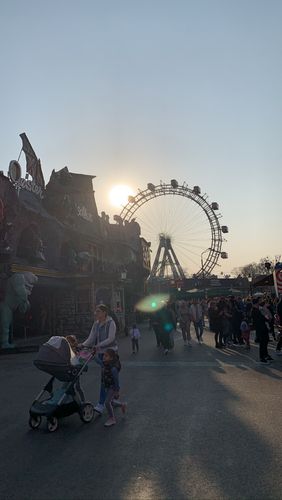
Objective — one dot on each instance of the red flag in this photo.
(277, 278)
(33, 165)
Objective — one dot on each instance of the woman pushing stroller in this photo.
(102, 337)
(110, 364)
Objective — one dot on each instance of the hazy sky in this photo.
(142, 91)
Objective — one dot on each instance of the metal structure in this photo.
(212, 251)
(168, 261)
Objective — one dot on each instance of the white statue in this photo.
(19, 287)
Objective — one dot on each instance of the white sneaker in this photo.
(189, 344)
(110, 421)
(99, 408)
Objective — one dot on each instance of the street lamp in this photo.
(250, 279)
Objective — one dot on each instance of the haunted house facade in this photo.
(79, 257)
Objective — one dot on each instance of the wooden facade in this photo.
(80, 258)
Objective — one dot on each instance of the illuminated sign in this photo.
(15, 170)
(29, 186)
(15, 173)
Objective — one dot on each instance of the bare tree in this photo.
(264, 266)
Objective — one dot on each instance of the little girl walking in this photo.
(111, 366)
(245, 332)
(135, 336)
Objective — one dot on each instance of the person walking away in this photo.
(248, 310)
(197, 314)
(204, 305)
(255, 318)
(111, 366)
(135, 336)
(269, 308)
(184, 317)
(236, 320)
(155, 324)
(278, 324)
(102, 336)
(245, 332)
(262, 330)
(167, 321)
(224, 316)
(214, 323)
(279, 308)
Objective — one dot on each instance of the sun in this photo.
(119, 195)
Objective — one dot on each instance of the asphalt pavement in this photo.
(201, 424)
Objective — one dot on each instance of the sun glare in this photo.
(119, 195)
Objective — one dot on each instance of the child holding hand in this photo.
(73, 342)
(110, 365)
(245, 332)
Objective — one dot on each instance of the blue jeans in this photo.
(102, 397)
(199, 328)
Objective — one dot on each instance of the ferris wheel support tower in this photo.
(168, 261)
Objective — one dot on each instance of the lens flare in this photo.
(152, 303)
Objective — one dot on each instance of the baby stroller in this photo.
(57, 358)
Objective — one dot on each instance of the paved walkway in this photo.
(202, 424)
(197, 355)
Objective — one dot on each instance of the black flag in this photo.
(33, 165)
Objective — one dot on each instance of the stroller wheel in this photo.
(34, 421)
(86, 413)
(52, 424)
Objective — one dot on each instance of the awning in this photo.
(212, 292)
(264, 281)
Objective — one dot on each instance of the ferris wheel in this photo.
(182, 226)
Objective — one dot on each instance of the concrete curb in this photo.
(19, 350)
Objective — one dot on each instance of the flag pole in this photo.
(20, 154)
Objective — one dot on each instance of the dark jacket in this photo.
(110, 373)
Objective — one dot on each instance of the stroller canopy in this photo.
(57, 350)
(55, 357)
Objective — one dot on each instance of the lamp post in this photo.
(250, 279)
(122, 313)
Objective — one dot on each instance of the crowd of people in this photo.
(231, 320)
